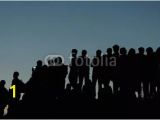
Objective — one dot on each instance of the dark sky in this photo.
(32, 30)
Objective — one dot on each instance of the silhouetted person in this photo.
(107, 68)
(73, 75)
(50, 78)
(36, 74)
(4, 97)
(61, 71)
(134, 83)
(83, 65)
(20, 86)
(116, 76)
(150, 73)
(124, 81)
(34, 90)
(97, 69)
(37, 70)
(141, 65)
(38, 67)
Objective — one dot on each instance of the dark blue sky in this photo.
(32, 30)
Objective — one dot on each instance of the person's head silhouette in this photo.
(109, 51)
(149, 50)
(58, 61)
(2, 83)
(39, 63)
(141, 50)
(98, 53)
(123, 51)
(116, 48)
(50, 62)
(131, 52)
(84, 53)
(16, 75)
(74, 52)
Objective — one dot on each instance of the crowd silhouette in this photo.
(123, 84)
